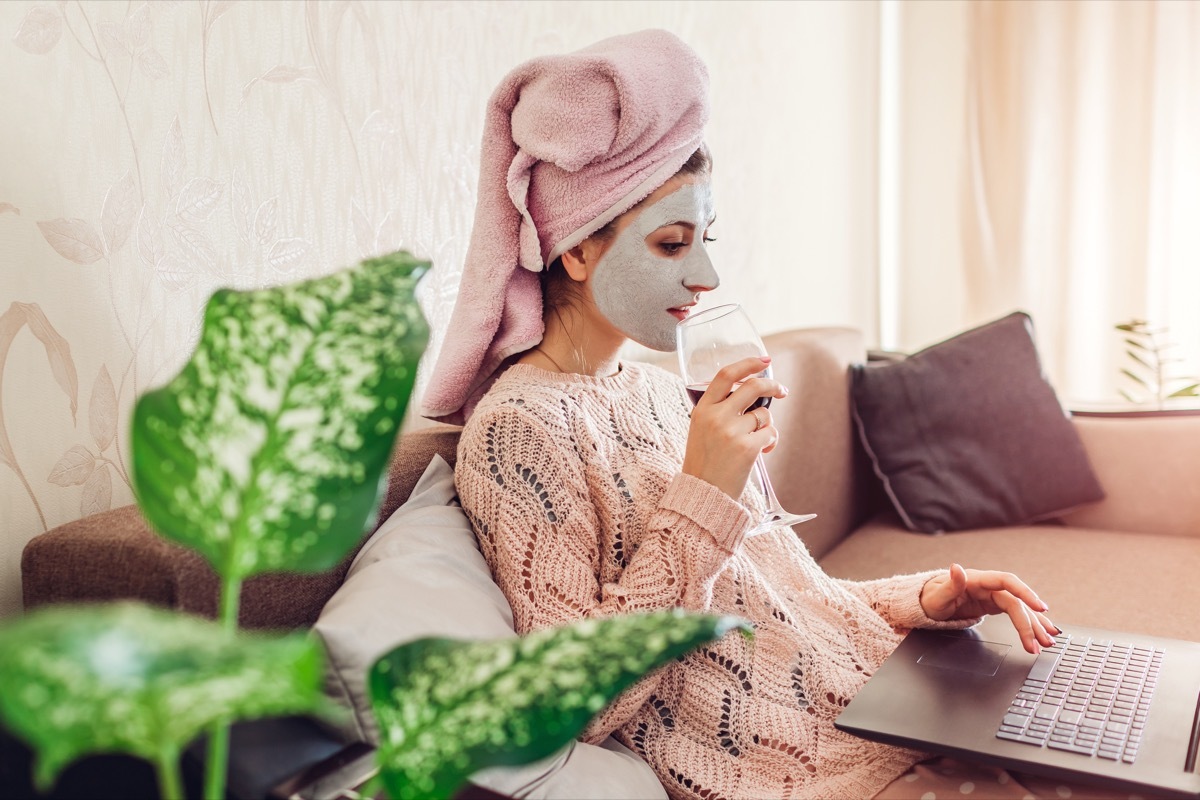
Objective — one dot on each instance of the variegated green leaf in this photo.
(268, 451)
(447, 709)
(126, 678)
(1192, 390)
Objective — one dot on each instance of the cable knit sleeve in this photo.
(898, 601)
(524, 486)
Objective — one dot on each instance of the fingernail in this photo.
(765, 359)
(783, 389)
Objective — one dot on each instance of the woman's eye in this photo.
(671, 248)
(709, 239)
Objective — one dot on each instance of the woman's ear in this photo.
(576, 262)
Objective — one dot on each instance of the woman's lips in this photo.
(679, 313)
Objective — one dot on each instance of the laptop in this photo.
(1119, 710)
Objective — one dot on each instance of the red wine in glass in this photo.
(708, 341)
(696, 391)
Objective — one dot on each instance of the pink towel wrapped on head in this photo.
(570, 142)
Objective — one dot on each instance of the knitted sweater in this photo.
(573, 485)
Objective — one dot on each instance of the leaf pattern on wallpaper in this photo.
(214, 11)
(239, 199)
(75, 467)
(391, 231)
(148, 241)
(364, 234)
(198, 199)
(119, 211)
(102, 410)
(174, 274)
(282, 73)
(112, 36)
(6, 208)
(174, 160)
(40, 30)
(58, 353)
(152, 64)
(74, 239)
(137, 27)
(210, 12)
(195, 243)
(97, 493)
(285, 254)
(265, 219)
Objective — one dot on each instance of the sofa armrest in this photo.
(1147, 464)
(107, 556)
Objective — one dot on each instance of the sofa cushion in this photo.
(1104, 579)
(421, 574)
(968, 433)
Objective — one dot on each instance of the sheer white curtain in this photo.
(1081, 195)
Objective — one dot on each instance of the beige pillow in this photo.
(421, 574)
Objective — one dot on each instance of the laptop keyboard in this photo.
(1086, 696)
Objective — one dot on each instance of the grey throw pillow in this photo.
(421, 574)
(969, 433)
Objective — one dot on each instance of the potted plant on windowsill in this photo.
(268, 452)
(1152, 367)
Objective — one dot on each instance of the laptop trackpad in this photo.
(967, 655)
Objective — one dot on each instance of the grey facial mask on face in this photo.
(634, 285)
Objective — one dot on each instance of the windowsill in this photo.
(1125, 410)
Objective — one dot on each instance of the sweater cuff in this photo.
(709, 508)
(900, 604)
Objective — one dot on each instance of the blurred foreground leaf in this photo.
(269, 450)
(126, 678)
(447, 709)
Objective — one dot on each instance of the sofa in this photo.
(1126, 562)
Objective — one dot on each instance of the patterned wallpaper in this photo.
(154, 151)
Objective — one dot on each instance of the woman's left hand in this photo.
(969, 593)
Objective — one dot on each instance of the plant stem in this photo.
(170, 784)
(1158, 373)
(231, 595)
(218, 737)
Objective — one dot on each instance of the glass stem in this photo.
(765, 482)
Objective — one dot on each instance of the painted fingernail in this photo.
(765, 359)
(784, 389)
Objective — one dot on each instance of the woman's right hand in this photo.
(723, 439)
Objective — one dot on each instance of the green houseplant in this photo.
(269, 452)
(1150, 371)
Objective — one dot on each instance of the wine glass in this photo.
(706, 342)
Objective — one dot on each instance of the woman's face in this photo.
(657, 262)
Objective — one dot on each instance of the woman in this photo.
(593, 486)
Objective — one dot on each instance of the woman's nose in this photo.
(700, 276)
